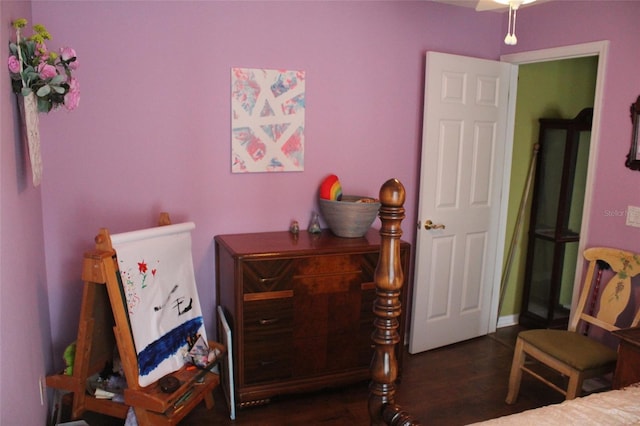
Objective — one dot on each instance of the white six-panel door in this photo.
(462, 170)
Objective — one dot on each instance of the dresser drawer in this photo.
(278, 274)
(268, 360)
(265, 317)
(268, 331)
(267, 275)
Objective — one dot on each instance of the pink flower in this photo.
(72, 98)
(14, 64)
(73, 84)
(46, 71)
(74, 65)
(67, 53)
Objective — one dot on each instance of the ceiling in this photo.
(484, 5)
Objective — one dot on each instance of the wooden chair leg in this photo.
(574, 387)
(516, 372)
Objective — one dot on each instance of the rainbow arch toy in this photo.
(331, 189)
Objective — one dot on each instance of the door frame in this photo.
(599, 49)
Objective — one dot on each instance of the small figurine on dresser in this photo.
(314, 224)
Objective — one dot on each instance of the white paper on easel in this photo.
(158, 281)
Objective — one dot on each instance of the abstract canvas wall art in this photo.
(267, 120)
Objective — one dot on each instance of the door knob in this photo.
(428, 225)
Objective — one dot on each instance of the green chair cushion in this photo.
(574, 349)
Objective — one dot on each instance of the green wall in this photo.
(556, 89)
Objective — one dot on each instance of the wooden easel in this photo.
(100, 329)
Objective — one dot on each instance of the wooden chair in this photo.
(387, 307)
(572, 352)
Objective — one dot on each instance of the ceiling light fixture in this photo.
(511, 38)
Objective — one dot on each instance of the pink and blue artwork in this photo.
(267, 120)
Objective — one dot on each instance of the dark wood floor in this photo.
(455, 385)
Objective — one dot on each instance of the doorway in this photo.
(587, 53)
(429, 311)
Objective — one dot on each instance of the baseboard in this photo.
(507, 321)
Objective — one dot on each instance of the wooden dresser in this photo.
(300, 309)
(628, 365)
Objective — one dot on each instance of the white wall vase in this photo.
(29, 111)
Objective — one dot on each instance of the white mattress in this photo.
(616, 407)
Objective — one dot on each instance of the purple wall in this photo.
(25, 340)
(152, 132)
(562, 23)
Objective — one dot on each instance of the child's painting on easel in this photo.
(158, 281)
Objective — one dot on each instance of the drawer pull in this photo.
(266, 363)
(268, 321)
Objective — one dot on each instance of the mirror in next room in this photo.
(633, 158)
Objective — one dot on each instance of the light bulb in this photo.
(510, 38)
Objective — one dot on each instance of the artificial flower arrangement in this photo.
(34, 69)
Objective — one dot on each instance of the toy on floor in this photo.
(69, 357)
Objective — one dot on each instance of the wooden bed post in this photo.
(386, 308)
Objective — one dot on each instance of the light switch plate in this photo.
(633, 216)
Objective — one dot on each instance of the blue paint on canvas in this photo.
(166, 346)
